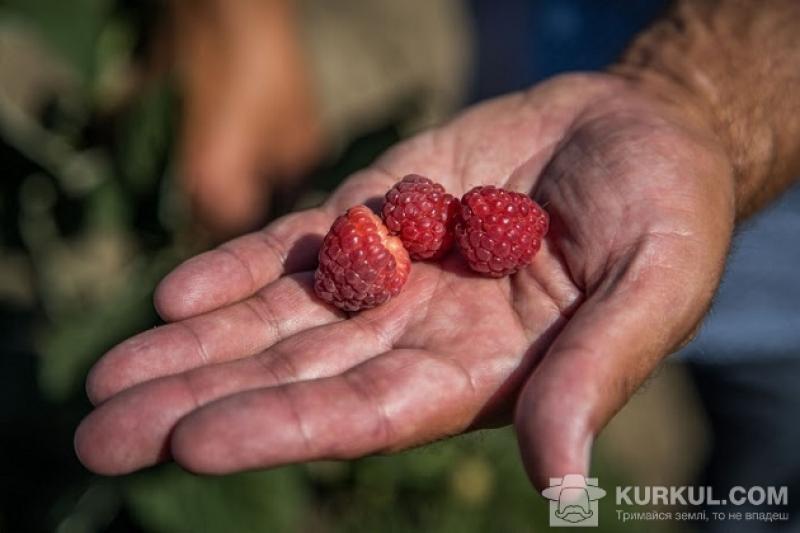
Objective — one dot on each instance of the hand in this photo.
(252, 371)
(250, 120)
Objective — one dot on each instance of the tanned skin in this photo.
(735, 63)
(644, 170)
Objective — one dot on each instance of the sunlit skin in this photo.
(252, 371)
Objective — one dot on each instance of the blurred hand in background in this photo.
(272, 88)
(250, 117)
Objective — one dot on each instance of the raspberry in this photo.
(360, 264)
(499, 231)
(423, 215)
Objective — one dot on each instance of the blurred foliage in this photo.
(90, 219)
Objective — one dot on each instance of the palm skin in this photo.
(252, 371)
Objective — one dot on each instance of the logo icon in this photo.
(573, 501)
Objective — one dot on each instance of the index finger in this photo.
(239, 268)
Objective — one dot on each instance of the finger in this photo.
(219, 149)
(651, 301)
(278, 311)
(393, 401)
(131, 430)
(239, 268)
(219, 168)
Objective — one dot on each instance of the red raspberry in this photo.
(500, 231)
(360, 264)
(423, 215)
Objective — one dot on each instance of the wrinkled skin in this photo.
(252, 371)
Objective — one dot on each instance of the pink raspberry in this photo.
(499, 231)
(360, 264)
(423, 215)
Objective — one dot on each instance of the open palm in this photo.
(253, 371)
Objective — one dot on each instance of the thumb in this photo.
(649, 303)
